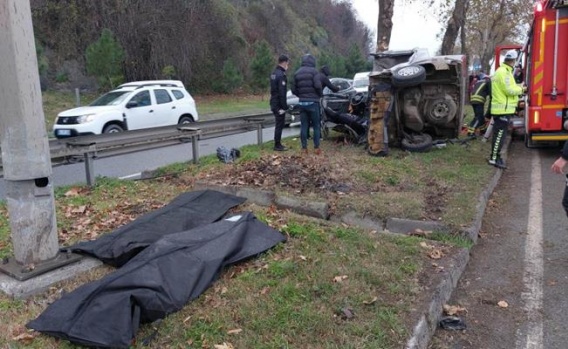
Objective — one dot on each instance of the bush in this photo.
(104, 60)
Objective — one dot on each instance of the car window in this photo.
(162, 96)
(361, 83)
(342, 85)
(142, 98)
(111, 98)
(178, 94)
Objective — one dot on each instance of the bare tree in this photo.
(455, 23)
(384, 24)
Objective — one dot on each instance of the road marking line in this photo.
(534, 263)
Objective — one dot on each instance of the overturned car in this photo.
(415, 98)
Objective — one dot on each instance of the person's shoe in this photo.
(280, 148)
(499, 163)
(471, 136)
(304, 151)
(317, 151)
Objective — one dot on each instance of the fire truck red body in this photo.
(544, 59)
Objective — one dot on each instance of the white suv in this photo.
(131, 106)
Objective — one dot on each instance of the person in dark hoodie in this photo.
(325, 82)
(278, 104)
(307, 87)
(558, 167)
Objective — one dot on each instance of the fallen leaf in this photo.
(371, 301)
(303, 258)
(187, 319)
(453, 309)
(25, 337)
(503, 304)
(435, 254)
(224, 346)
(72, 192)
(265, 290)
(235, 331)
(339, 278)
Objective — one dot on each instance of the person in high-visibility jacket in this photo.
(504, 99)
(480, 94)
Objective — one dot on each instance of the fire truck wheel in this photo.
(417, 143)
(410, 75)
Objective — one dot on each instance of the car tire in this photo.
(410, 75)
(184, 120)
(417, 143)
(441, 111)
(113, 128)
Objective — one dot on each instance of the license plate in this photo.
(63, 132)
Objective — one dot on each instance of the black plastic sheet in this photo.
(187, 211)
(158, 281)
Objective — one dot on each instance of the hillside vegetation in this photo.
(196, 41)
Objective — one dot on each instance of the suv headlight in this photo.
(85, 118)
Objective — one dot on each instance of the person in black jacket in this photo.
(278, 104)
(325, 82)
(307, 86)
(480, 94)
(558, 167)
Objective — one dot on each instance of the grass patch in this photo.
(452, 239)
(328, 286)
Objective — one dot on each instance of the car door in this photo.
(166, 113)
(140, 111)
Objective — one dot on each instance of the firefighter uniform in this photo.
(480, 93)
(504, 99)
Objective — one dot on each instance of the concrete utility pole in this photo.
(25, 148)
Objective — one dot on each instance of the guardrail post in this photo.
(195, 148)
(259, 134)
(77, 97)
(90, 169)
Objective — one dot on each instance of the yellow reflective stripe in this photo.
(477, 99)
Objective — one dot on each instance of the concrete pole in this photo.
(25, 148)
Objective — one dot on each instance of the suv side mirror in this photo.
(131, 104)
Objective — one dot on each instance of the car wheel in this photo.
(112, 128)
(441, 111)
(410, 75)
(185, 120)
(417, 143)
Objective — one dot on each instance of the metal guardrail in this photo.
(86, 148)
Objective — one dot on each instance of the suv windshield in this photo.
(111, 98)
(361, 83)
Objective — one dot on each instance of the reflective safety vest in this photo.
(504, 91)
(480, 91)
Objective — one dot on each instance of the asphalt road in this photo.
(130, 166)
(522, 259)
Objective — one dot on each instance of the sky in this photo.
(413, 26)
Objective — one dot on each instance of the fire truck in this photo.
(544, 62)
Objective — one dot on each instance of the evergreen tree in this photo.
(336, 64)
(355, 62)
(104, 60)
(231, 79)
(261, 66)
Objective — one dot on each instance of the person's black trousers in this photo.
(500, 125)
(565, 198)
(479, 116)
(280, 121)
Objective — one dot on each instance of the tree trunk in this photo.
(384, 25)
(454, 24)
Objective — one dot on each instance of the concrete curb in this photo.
(428, 322)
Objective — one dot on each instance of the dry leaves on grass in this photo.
(340, 278)
(293, 172)
(224, 346)
(453, 309)
(433, 251)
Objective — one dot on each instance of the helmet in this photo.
(511, 54)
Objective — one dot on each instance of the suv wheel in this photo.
(185, 120)
(418, 143)
(113, 128)
(410, 75)
(441, 111)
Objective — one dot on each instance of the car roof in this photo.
(138, 84)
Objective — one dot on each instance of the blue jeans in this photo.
(310, 113)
